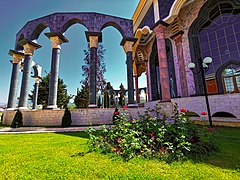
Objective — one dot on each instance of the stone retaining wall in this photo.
(80, 117)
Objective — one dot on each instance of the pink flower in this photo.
(118, 139)
(203, 113)
(132, 121)
(183, 110)
(124, 107)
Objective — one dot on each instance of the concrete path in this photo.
(29, 130)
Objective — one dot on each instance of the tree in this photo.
(101, 67)
(43, 92)
(122, 95)
(81, 100)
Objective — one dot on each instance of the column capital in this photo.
(159, 26)
(177, 37)
(57, 39)
(128, 44)
(93, 38)
(17, 56)
(29, 46)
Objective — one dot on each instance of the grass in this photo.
(66, 156)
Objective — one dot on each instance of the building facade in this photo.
(171, 34)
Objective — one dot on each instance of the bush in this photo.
(17, 120)
(66, 119)
(152, 136)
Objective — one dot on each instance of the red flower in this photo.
(116, 113)
(183, 110)
(124, 107)
(203, 113)
(152, 133)
(210, 129)
(162, 149)
(132, 121)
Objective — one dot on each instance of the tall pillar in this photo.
(162, 58)
(93, 38)
(127, 44)
(57, 39)
(182, 72)
(17, 58)
(35, 92)
(136, 88)
(29, 48)
(147, 65)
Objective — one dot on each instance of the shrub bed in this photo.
(153, 136)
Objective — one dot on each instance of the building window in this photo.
(231, 79)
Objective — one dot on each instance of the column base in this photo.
(52, 107)
(92, 106)
(11, 109)
(132, 105)
(23, 108)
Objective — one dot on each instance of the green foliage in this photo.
(152, 136)
(43, 92)
(17, 120)
(67, 118)
(81, 100)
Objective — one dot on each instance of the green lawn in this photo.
(64, 156)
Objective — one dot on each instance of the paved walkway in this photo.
(30, 130)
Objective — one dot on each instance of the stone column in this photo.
(147, 65)
(136, 88)
(162, 58)
(93, 38)
(17, 58)
(182, 72)
(29, 48)
(127, 44)
(57, 39)
(35, 92)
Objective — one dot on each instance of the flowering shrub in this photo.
(152, 135)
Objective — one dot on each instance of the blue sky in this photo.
(14, 14)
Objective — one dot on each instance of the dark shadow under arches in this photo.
(38, 30)
(192, 114)
(115, 25)
(220, 71)
(223, 114)
(18, 47)
(72, 22)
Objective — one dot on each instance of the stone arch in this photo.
(174, 11)
(115, 25)
(38, 30)
(194, 41)
(17, 46)
(219, 74)
(71, 22)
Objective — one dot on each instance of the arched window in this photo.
(216, 33)
(231, 79)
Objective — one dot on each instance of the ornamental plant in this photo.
(152, 135)
(67, 118)
(17, 120)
